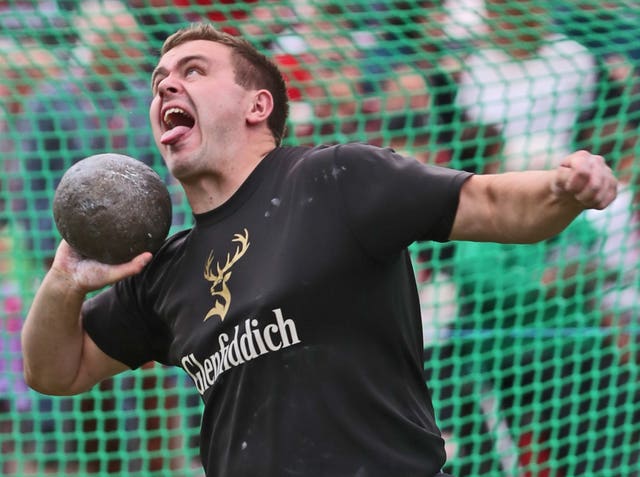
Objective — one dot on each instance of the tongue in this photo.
(172, 135)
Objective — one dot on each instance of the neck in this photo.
(209, 191)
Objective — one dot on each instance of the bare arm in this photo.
(525, 207)
(59, 357)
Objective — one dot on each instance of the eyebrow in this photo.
(162, 71)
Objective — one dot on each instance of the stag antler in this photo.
(208, 275)
(240, 251)
(219, 279)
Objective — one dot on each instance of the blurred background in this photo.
(532, 352)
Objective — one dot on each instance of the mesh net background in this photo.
(531, 351)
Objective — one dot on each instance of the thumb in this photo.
(134, 266)
(564, 182)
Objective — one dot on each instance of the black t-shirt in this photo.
(293, 307)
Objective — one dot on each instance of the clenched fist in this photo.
(587, 178)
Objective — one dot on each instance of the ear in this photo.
(261, 107)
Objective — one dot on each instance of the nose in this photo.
(168, 85)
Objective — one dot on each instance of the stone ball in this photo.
(111, 207)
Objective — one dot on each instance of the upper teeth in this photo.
(171, 111)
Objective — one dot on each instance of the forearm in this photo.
(52, 336)
(527, 208)
(59, 357)
(518, 207)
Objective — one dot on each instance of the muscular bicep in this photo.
(475, 218)
(513, 207)
(95, 366)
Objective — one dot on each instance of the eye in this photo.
(192, 70)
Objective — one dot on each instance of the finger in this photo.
(600, 189)
(93, 275)
(607, 193)
(116, 273)
(562, 178)
(585, 173)
(573, 173)
(588, 188)
(587, 178)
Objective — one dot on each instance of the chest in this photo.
(249, 274)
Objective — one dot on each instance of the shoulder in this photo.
(175, 241)
(362, 162)
(349, 161)
(332, 151)
(329, 159)
(353, 153)
(170, 252)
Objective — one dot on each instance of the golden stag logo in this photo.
(219, 289)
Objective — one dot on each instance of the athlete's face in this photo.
(198, 110)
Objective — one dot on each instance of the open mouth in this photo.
(177, 122)
(174, 117)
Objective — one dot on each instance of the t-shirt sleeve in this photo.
(115, 323)
(392, 201)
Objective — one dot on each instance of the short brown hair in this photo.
(252, 69)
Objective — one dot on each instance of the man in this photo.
(291, 303)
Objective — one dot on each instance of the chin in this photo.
(181, 174)
(183, 166)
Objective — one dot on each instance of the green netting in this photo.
(531, 351)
